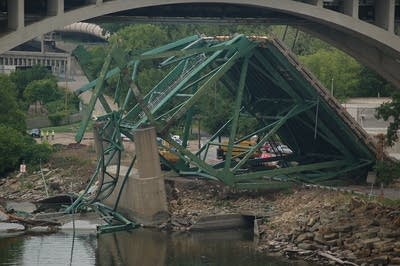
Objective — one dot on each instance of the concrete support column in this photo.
(55, 7)
(319, 3)
(16, 14)
(384, 14)
(148, 195)
(143, 197)
(350, 8)
(68, 67)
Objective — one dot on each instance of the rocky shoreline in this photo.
(316, 225)
(333, 227)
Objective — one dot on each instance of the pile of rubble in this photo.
(32, 187)
(332, 226)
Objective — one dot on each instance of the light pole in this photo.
(332, 86)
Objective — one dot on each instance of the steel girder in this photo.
(267, 83)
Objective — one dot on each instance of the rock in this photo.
(21, 206)
(304, 236)
(55, 186)
(332, 243)
(387, 233)
(380, 260)
(343, 228)
(383, 246)
(311, 221)
(369, 243)
(3, 216)
(374, 222)
(396, 251)
(307, 246)
(356, 203)
(395, 260)
(330, 236)
(319, 239)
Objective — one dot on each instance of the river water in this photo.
(139, 247)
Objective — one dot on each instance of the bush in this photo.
(57, 118)
(11, 147)
(387, 171)
(36, 153)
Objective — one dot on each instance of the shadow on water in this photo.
(139, 247)
(149, 248)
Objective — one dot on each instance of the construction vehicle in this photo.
(239, 149)
(167, 155)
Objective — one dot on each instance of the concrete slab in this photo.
(20, 206)
(222, 222)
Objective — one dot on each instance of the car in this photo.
(35, 133)
(276, 147)
(284, 149)
(177, 139)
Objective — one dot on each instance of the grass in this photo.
(71, 128)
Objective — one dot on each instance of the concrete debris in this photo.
(336, 228)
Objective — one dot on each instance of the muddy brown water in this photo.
(139, 247)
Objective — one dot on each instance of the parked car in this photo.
(35, 133)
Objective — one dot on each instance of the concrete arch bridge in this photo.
(365, 29)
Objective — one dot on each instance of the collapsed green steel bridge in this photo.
(267, 82)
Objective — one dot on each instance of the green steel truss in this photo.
(267, 83)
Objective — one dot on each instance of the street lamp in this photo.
(332, 86)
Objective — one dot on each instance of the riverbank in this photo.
(331, 226)
(317, 225)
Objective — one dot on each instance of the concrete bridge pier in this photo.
(143, 197)
(148, 187)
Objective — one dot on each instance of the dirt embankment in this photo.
(68, 170)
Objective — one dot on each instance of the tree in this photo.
(391, 111)
(140, 37)
(372, 85)
(21, 78)
(43, 91)
(335, 70)
(11, 147)
(10, 114)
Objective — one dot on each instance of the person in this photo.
(52, 134)
(41, 135)
(47, 135)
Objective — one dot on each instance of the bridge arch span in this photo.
(376, 47)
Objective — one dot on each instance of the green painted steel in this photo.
(267, 83)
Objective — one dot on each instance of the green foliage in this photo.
(372, 85)
(140, 37)
(57, 118)
(91, 60)
(390, 111)
(35, 153)
(387, 171)
(16, 147)
(11, 147)
(21, 78)
(10, 114)
(69, 102)
(335, 70)
(216, 109)
(44, 91)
